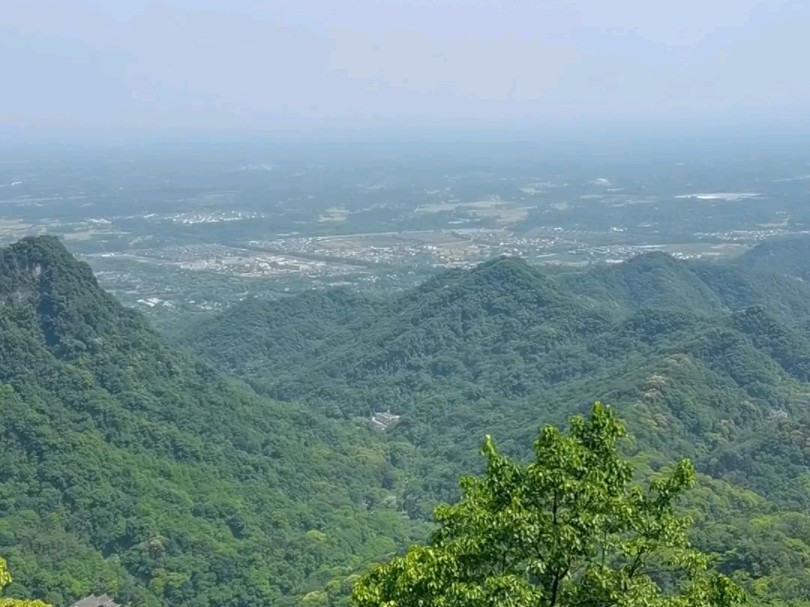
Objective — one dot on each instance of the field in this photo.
(157, 223)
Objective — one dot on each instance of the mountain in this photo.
(290, 332)
(653, 280)
(471, 349)
(238, 466)
(659, 281)
(132, 468)
(782, 256)
(706, 360)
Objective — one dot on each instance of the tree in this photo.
(570, 529)
(5, 580)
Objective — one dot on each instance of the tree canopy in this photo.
(5, 580)
(133, 468)
(569, 529)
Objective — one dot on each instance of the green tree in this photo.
(569, 529)
(5, 580)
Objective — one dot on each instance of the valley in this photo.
(177, 230)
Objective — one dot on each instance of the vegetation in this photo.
(132, 469)
(704, 360)
(5, 580)
(138, 468)
(568, 529)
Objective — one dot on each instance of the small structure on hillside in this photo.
(96, 601)
(382, 420)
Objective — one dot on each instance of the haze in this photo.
(202, 65)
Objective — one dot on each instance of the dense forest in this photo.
(704, 359)
(234, 462)
(133, 469)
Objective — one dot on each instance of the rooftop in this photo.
(96, 601)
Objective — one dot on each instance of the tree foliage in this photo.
(569, 529)
(131, 467)
(706, 360)
(5, 580)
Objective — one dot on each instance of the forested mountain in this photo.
(787, 256)
(132, 469)
(705, 360)
(139, 468)
(472, 349)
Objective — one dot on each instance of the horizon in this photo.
(764, 133)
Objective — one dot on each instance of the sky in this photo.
(254, 65)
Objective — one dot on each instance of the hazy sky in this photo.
(264, 64)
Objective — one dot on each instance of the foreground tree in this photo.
(570, 529)
(5, 580)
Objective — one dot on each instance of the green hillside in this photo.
(653, 280)
(471, 349)
(132, 469)
(140, 468)
(703, 360)
(785, 256)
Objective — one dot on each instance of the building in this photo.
(96, 601)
